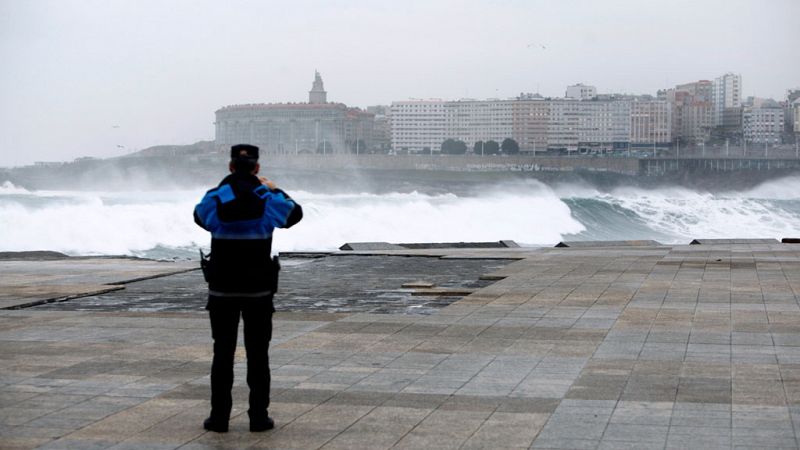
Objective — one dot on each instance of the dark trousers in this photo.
(256, 314)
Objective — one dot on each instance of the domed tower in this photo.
(317, 94)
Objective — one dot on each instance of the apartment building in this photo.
(581, 91)
(692, 118)
(418, 125)
(763, 125)
(796, 114)
(726, 93)
(529, 124)
(589, 125)
(651, 123)
(537, 124)
(479, 120)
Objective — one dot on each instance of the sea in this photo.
(158, 223)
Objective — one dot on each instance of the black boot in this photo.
(216, 425)
(262, 423)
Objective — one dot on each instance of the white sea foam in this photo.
(8, 188)
(782, 189)
(331, 220)
(135, 222)
(767, 211)
(95, 223)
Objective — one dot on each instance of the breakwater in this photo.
(622, 165)
(459, 163)
(409, 172)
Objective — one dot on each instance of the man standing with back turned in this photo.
(241, 214)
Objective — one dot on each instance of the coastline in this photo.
(382, 174)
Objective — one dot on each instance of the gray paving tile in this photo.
(698, 438)
(624, 348)
(651, 434)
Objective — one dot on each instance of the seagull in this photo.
(540, 45)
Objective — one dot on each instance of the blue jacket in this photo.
(241, 215)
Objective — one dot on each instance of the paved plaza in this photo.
(645, 346)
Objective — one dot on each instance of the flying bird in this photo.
(537, 45)
(114, 126)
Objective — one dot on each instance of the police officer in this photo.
(241, 214)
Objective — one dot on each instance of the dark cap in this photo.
(244, 151)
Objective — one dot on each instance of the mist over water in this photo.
(158, 223)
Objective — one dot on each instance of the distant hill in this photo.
(198, 148)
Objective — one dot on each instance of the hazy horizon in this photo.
(104, 78)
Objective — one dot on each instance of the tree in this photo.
(453, 147)
(491, 148)
(478, 148)
(358, 146)
(509, 146)
(324, 147)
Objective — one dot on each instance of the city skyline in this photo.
(106, 78)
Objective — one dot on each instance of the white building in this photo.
(651, 123)
(763, 125)
(796, 111)
(567, 125)
(418, 125)
(531, 115)
(479, 120)
(588, 125)
(726, 92)
(581, 91)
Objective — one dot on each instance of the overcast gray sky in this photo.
(74, 70)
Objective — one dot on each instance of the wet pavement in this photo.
(662, 347)
(330, 283)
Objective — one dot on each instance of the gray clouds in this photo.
(72, 69)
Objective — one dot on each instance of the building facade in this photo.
(472, 121)
(581, 92)
(278, 128)
(691, 106)
(726, 93)
(796, 114)
(651, 123)
(560, 125)
(530, 118)
(418, 126)
(763, 125)
(588, 125)
(381, 131)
